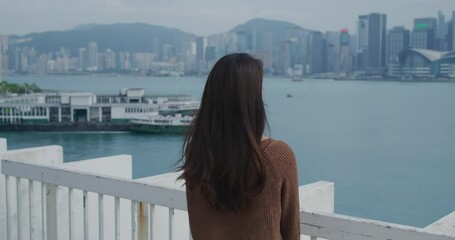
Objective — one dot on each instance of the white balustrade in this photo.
(45, 201)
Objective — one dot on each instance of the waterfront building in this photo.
(244, 41)
(399, 40)
(362, 43)
(84, 107)
(424, 33)
(441, 32)
(92, 56)
(83, 58)
(371, 44)
(333, 50)
(317, 53)
(110, 62)
(451, 36)
(345, 51)
(425, 63)
(3, 44)
(200, 47)
(377, 25)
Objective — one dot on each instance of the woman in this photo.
(239, 183)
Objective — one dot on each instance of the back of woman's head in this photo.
(221, 151)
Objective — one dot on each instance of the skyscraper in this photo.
(451, 36)
(362, 33)
(317, 53)
(92, 56)
(244, 41)
(399, 39)
(377, 30)
(362, 43)
(424, 33)
(83, 58)
(110, 62)
(3, 44)
(200, 47)
(371, 43)
(441, 33)
(345, 51)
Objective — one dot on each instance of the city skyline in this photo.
(208, 17)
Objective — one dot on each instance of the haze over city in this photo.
(205, 17)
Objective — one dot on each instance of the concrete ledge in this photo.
(51, 155)
(317, 197)
(42, 155)
(445, 225)
(3, 145)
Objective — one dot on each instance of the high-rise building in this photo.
(200, 48)
(333, 50)
(362, 43)
(441, 33)
(399, 39)
(83, 59)
(92, 56)
(345, 51)
(362, 33)
(442, 26)
(424, 33)
(3, 44)
(451, 36)
(316, 53)
(244, 41)
(109, 57)
(377, 30)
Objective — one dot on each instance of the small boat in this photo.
(176, 124)
(297, 79)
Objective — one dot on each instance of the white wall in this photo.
(81, 100)
(42, 155)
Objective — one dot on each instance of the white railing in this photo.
(144, 198)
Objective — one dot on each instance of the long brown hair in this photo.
(221, 150)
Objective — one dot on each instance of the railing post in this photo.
(143, 225)
(51, 211)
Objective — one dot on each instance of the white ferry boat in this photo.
(152, 123)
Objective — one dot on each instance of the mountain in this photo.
(279, 29)
(135, 37)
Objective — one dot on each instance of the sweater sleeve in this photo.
(290, 212)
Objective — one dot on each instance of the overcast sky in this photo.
(205, 17)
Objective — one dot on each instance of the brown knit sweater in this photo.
(274, 214)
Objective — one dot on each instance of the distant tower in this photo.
(93, 56)
(83, 58)
(345, 51)
(451, 36)
(362, 43)
(377, 34)
(200, 47)
(110, 59)
(244, 41)
(424, 33)
(316, 53)
(399, 39)
(1, 68)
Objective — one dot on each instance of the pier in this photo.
(42, 197)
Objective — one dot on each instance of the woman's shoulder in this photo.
(280, 155)
(276, 146)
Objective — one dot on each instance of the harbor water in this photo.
(389, 147)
